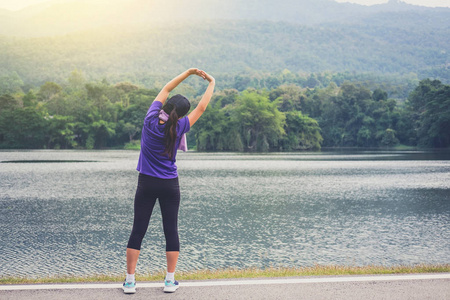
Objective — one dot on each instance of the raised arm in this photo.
(164, 93)
(201, 106)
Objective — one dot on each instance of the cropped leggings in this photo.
(148, 190)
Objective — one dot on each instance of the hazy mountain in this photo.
(116, 37)
(227, 47)
(64, 16)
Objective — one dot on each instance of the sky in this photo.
(431, 3)
(19, 4)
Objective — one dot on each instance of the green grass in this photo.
(240, 273)
(133, 145)
(404, 147)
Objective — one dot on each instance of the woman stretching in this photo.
(162, 134)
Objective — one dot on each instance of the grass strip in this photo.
(317, 270)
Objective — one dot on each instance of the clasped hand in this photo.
(201, 73)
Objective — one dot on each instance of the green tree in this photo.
(430, 102)
(29, 99)
(379, 94)
(8, 102)
(389, 138)
(124, 90)
(216, 131)
(261, 123)
(130, 130)
(48, 91)
(101, 131)
(60, 132)
(22, 128)
(302, 133)
(289, 97)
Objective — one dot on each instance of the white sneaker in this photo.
(170, 286)
(129, 287)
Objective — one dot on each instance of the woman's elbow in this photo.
(201, 108)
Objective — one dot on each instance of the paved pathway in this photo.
(414, 286)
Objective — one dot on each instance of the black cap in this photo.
(181, 104)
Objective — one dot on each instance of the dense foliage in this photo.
(429, 106)
(81, 114)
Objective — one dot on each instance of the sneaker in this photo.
(129, 287)
(170, 286)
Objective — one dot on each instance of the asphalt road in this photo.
(418, 286)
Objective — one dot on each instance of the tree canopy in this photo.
(288, 117)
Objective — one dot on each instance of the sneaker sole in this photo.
(170, 289)
(129, 291)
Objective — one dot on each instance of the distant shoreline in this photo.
(317, 270)
(323, 149)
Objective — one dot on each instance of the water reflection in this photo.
(237, 210)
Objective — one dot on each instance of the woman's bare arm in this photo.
(164, 93)
(201, 107)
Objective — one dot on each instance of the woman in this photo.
(162, 134)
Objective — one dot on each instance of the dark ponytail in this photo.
(175, 107)
(170, 130)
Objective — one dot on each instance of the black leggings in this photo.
(148, 190)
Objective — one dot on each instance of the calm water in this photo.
(74, 216)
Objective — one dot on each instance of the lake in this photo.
(71, 212)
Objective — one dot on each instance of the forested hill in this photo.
(228, 47)
(132, 39)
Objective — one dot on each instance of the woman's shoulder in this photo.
(183, 125)
(153, 112)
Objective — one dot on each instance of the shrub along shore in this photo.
(317, 270)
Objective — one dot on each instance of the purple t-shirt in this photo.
(151, 160)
